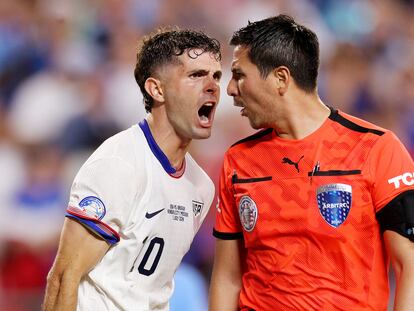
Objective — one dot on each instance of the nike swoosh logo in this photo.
(150, 215)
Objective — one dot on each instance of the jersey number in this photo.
(141, 267)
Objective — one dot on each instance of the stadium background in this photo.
(66, 84)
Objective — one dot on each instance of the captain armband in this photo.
(398, 215)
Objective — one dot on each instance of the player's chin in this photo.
(254, 124)
(202, 133)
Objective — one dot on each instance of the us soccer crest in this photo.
(247, 213)
(334, 203)
(197, 207)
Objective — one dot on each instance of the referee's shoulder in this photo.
(252, 139)
(356, 124)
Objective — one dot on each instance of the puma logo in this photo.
(295, 164)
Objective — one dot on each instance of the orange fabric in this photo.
(297, 260)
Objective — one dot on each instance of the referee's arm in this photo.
(226, 277)
(401, 251)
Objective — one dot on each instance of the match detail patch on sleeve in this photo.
(93, 207)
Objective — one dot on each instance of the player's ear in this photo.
(154, 89)
(282, 79)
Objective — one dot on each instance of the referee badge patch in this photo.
(93, 207)
(247, 213)
(334, 203)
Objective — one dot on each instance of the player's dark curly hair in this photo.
(163, 47)
(280, 41)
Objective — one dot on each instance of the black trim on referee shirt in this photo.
(335, 116)
(398, 215)
(227, 236)
(254, 136)
(237, 180)
(334, 173)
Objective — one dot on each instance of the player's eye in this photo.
(197, 74)
(237, 74)
(217, 75)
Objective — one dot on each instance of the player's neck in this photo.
(166, 138)
(302, 116)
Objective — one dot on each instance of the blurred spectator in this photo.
(41, 107)
(345, 83)
(11, 166)
(21, 53)
(31, 224)
(89, 129)
(122, 97)
(34, 215)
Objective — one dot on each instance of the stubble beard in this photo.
(254, 123)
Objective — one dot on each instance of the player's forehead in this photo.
(199, 59)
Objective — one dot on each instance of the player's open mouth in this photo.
(238, 103)
(205, 113)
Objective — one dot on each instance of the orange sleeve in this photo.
(391, 168)
(227, 218)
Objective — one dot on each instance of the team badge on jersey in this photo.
(93, 206)
(334, 202)
(197, 207)
(247, 213)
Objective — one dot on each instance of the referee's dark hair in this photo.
(163, 47)
(280, 41)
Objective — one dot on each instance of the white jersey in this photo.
(128, 193)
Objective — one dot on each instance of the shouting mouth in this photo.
(206, 113)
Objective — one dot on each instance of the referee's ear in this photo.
(282, 78)
(154, 89)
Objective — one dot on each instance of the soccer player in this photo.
(312, 205)
(138, 201)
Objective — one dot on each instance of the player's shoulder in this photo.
(251, 140)
(114, 159)
(196, 172)
(122, 138)
(120, 146)
(356, 124)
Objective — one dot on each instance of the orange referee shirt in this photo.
(306, 212)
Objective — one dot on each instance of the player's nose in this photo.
(212, 85)
(232, 88)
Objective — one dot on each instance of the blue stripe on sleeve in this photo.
(97, 228)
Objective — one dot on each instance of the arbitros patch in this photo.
(334, 203)
(93, 206)
(247, 213)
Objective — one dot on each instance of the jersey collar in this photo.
(158, 153)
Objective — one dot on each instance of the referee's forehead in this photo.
(241, 57)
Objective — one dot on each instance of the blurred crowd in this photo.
(67, 84)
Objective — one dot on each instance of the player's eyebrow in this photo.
(236, 71)
(199, 72)
(202, 72)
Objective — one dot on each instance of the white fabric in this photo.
(126, 176)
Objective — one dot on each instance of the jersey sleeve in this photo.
(101, 196)
(391, 168)
(227, 224)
